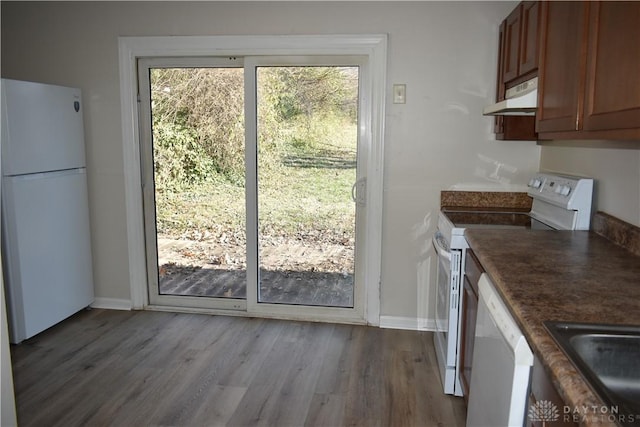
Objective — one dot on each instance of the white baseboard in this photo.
(112, 303)
(408, 323)
(386, 322)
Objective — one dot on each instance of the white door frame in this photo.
(254, 306)
(374, 47)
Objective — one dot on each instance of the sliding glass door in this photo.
(253, 183)
(307, 160)
(192, 121)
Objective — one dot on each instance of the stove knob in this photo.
(565, 190)
(535, 183)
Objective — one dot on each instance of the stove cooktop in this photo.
(497, 220)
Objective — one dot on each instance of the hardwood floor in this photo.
(139, 368)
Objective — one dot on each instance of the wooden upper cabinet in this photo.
(512, 32)
(528, 57)
(500, 90)
(561, 69)
(498, 124)
(589, 68)
(520, 50)
(613, 67)
(512, 128)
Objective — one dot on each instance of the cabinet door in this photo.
(472, 272)
(512, 44)
(613, 71)
(561, 74)
(529, 38)
(518, 128)
(498, 126)
(469, 315)
(543, 395)
(510, 128)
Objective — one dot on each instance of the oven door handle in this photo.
(440, 245)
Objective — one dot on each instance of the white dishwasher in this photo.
(502, 362)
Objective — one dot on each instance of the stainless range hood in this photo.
(520, 100)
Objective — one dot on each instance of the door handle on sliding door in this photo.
(359, 191)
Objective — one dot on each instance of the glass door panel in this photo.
(307, 137)
(196, 211)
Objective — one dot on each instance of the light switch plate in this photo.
(399, 94)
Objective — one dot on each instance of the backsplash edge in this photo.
(619, 232)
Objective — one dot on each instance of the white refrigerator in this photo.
(46, 243)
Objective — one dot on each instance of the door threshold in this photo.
(261, 315)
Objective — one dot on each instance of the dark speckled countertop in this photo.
(568, 276)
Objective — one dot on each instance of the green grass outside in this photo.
(305, 192)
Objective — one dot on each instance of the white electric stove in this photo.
(560, 202)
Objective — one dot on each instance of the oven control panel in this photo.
(566, 191)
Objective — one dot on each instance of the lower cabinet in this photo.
(473, 270)
(546, 407)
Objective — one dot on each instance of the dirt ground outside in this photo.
(276, 253)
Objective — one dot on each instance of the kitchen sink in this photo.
(608, 356)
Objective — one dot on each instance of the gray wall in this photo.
(445, 52)
(615, 166)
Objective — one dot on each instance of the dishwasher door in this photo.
(502, 362)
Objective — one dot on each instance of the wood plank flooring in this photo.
(139, 368)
